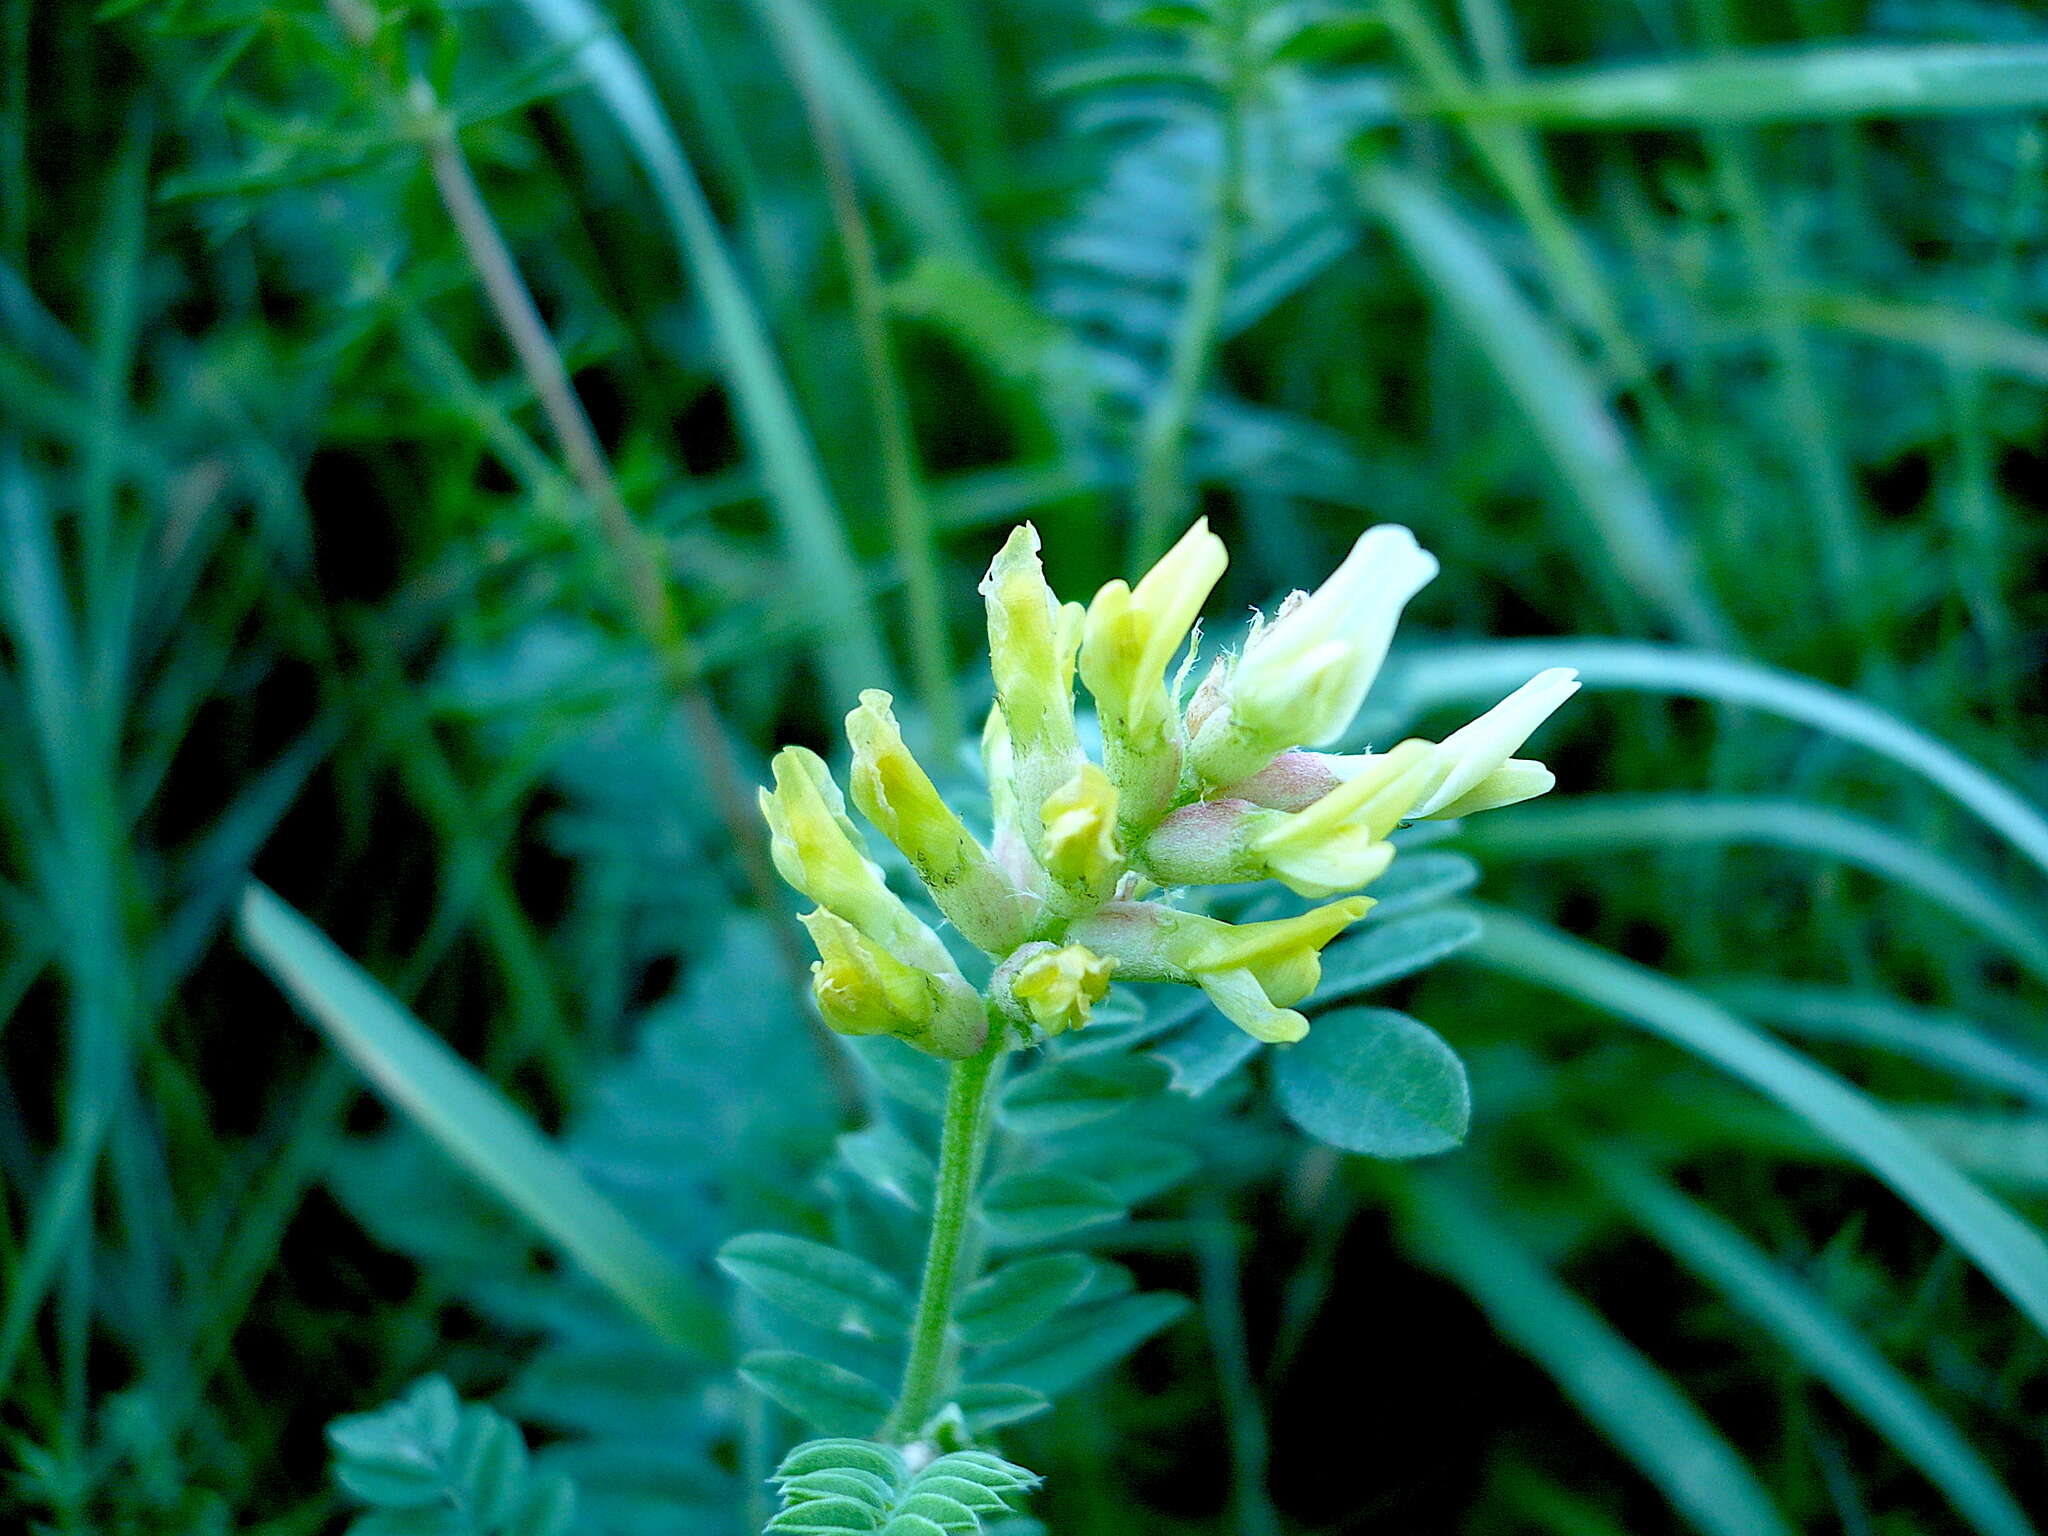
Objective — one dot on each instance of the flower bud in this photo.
(1207, 843)
(1293, 781)
(1129, 639)
(1032, 643)
(1055, 987)
(862, 989)
(1302, 677)
(1339, 842)
(895, 794)
(1079, 838)
(1479, 770)
(821, 854)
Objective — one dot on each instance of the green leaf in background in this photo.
(1820, 1339)
(1632, 1402)
(1062, 1096)
(430, 1463)
(835, 1290)
(1561, 401)
(892, 1163)
(1066, 1351)
(1384, 952)
(1594, 826)
(468, 1119)
(2009, 1251)
(1375, 1081)
(1811, 85)
(991, 1405)
(828, 1397)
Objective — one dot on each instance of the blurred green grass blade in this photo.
(1820, 1339)
(1955, 335)
(2009, 1251)
(1809, 85)
(1634, 1404)
(886, 139)
(1444, 673)
(467, 1118)
(1590, 825)
(1943, 1040)
(851, 655)
(1564, 405)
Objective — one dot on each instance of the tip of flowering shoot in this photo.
(1218, 790)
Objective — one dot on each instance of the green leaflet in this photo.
(1374, 1081)
(1813, 84)
(430, 1463)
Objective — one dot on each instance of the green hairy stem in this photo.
(962, 1137)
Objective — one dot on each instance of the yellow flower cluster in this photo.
(1219, 790)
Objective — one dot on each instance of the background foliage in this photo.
(1701, 340)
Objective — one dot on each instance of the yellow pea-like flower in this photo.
(898, 796)
(821, 854)
(1129, 639)
(1060, 986)
(862, 989)
(1079, 837)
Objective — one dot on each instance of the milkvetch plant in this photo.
(1081, 878)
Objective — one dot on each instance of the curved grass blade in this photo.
(465, 1116)
(2009, 1251)
(851, 653)
(1820, 1339)
(1445, 673)
(1809, 85)
(1592, 824)
(1634, 1404)
(1947, 1041)
(887, 139)
(1563, 404)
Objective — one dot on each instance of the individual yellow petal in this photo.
(1132, 634)
(1474, 751)
(1516, 780)
(1302, 677)
(1032, 641)
(1240, 999)
(1344, 861)
(896, 794)
(1230, 945)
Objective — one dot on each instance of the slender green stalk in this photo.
(1222, 1278)
(963, 1135)
(1161, 494)
(910, 513)
(653, 607)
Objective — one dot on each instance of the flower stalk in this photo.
(963, 1136)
